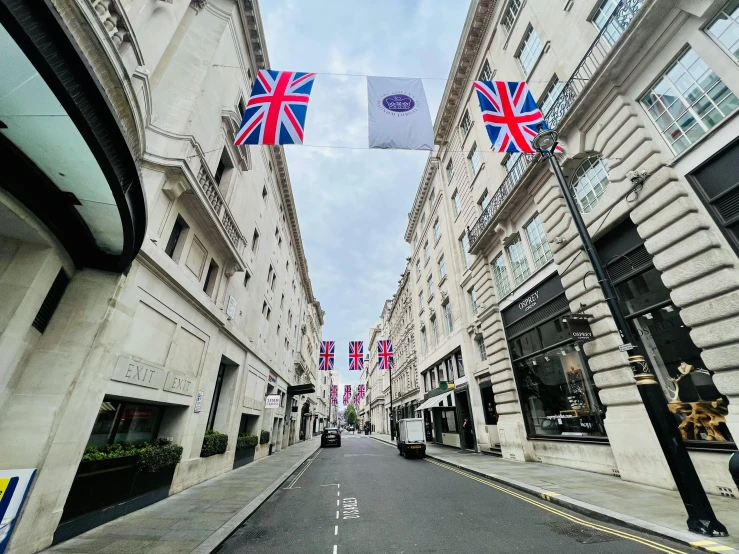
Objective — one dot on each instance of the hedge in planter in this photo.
(213, 443)
(264, 437)
(247, 441)
(152, 456)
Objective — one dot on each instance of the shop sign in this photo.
(199, 402)
(179, 384)
(532, 300)
(272, 401)
(14, 485)
(130, 371)
(580, 328)
(231, 308)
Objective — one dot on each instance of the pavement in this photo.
(197, 519)
(606, 498)
(363, 497)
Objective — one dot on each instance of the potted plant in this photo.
(213, 443)
(245, 448)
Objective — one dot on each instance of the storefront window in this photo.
(125, 422)
(526, 344)
(448, 421)
(488, 404)
(558, 396)
(460, 364)
(699, 408)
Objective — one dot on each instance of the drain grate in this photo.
(254, 535)
(583, 535)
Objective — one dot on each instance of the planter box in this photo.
(108, 489)
(244, 456)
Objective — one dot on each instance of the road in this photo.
(364, 497)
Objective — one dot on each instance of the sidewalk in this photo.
(197, 519)
(602, 497)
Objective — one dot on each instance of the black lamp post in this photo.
(701, 518)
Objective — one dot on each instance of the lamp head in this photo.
(545, 140)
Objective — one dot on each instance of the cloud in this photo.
(353, 202)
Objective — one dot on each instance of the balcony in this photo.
(301, 367)
(587, 68)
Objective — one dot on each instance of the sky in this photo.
(353, 202)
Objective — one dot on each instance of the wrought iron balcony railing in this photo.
(596, 54)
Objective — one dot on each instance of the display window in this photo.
(448, 421)
(125, 422)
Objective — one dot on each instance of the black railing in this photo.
(609, 34)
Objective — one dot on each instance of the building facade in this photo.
(643, 94)
(157, 281)
(375, 384)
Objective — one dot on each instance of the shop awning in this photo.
(434, 401)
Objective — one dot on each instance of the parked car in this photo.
(332, 436)
(411, 437)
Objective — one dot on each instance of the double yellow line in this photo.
(305, 468)
(565, 515)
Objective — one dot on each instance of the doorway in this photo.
(466, 434)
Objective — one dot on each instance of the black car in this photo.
(331, 436)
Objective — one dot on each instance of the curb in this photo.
(596, 512)
(212, 543)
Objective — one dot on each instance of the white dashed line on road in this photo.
(336, 530)
(337, 514)
(337, 501)
(334, 549)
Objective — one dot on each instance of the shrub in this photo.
(213, 443)
(154, 458)
(264, 437)
(247, 441)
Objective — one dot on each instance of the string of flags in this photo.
(327, 355)
(398, 113)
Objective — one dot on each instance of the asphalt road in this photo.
(364, 497)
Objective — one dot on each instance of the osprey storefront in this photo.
(556, 390)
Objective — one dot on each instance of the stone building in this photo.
(643, 94)
(154, 280)
(375, 384)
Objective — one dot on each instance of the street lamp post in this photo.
(701, 518)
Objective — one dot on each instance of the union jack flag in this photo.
(511, 115)
(360, 391)
(326, 356)
(347, 394)
(385, 354)
(356, 355)
(275, 113)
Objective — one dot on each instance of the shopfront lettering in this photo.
(529, 302)
(128, 370)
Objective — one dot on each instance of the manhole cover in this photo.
(254, 535)
(580, 533)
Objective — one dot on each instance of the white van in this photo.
(411, 437)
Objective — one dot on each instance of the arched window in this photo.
(589, 182)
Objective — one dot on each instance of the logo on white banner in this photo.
(272, 401)
(399, 103)
(398, 114)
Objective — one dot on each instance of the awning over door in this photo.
(434, 402)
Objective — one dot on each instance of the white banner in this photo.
(399, 114)
(272, 401)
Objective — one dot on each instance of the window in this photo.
(421, 303)
(424, 345)
(437, 230)
(264, 309)
(486, 74)
(216, 397)
(688, 100)
(513, 168)
(264, 193)
(242, 106)
(474, 159)
(176, 242)
(51, 302)
(448, 317)
(550, 95)
(255, 241)
(442, 268)
(456, 203)
(426, 251)
(484, 200)
(278, 329)
(418, 269)
(589, 182)
(450, 170)
(481, 347)
(282, 301)
(466, 123)
(431, 286)
(222, 175)
(510, 15)
(519, 264)
(415, 240)
(725, 27)
(540, 251)
(432, 197)
(210, 278)
(465, 244)
(269, 274)
(529, 50)
(473, 300)
(601, 19)
(125, 422)
(500, 276)
(434, 331)
(247, 278)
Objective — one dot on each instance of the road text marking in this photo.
(350, 509)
